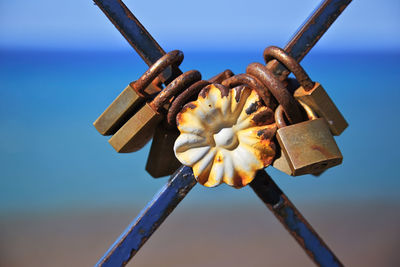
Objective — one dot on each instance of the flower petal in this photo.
(229, 168)
(251, 105)
(187, 141)
(190, 148)
(259, 141)
(261, 116)
(193, 155)
(217, 170)
(188, 121)
(239, 98)
(202, 168)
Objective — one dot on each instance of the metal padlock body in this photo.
(318, 99)
(139, 129)
(122, 108)
(311, 93)
(307, 147)
(135, 94)
(281, 163)
(161, 160)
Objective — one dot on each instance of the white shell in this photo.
(225, 136)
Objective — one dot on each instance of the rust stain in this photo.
(238, 92)
(267, 133)
(253, 108)
(322, 150)
(263, 117)
(190, 105)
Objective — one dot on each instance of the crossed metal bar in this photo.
(182, 181)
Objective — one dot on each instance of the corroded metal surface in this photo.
(191, 93)
(219, 78)
(278, 90)
(149, 219)
(174, 88)
(225, 136)
(173, 58)
(253, 83)
(274, 52)
(294, 222)
(184, 98)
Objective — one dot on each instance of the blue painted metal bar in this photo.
(310, 32)
(294, 222)
(136, 35)
(149, 219)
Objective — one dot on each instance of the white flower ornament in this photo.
(225, 136)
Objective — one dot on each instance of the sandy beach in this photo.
(360, 235)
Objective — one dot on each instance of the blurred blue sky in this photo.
(200, 25)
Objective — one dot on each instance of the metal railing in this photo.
(182, 181)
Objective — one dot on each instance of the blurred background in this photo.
(66, 195)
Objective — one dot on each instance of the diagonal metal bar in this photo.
(310, 32)
(150, 218)
(134, 237)
(294, 222)
(136, 35)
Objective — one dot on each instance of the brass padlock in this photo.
(161, 160)
(310, 93)
(308, 146)
(139, 129)
(135, 94)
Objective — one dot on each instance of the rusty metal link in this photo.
(221, 76)
(252, 82)
(274, 52)
(289, 104)
(175, 87)
(173, 58)
(280, 116)
(182, 99)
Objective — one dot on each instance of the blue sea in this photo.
(53, 159)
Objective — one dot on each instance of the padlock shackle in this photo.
(219, 78)
(282, 95)
(280, 116)
(254, 84)
(274, 52)
(174, 88)
(173, 58)
(182, 99)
